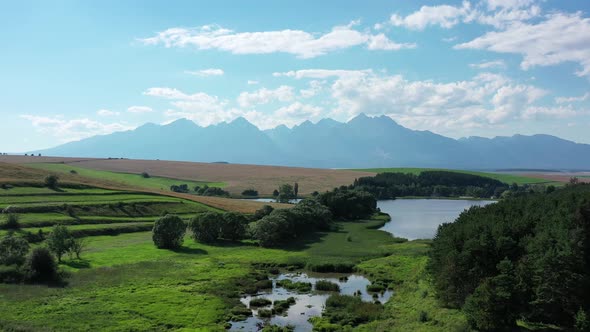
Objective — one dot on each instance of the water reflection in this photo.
(307, 305)
(419, 218)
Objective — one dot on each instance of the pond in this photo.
(307, 305)
(419, 218)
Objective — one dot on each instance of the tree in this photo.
(275, 193)
(494, 306)
(51, 181)
(40, 266)
(11, 221)
(296, 189)
(13, 250)
(233, 226)
(206, 226)
(263, 212)
(77, 246)
(168, 232)
(285, 193)
(59, 241)
(250, 192)
(271, 231)
(145, 175)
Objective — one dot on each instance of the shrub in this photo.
(280, 306)
(168, 232)
(51, 181)
(341, 267)
(581, 322)
(328, 286)
(40, 266)
(77, 246)
(298, 286)
(206, 226)
(11, 221)
(232, 226)
(59, 241)
(10, 274)
(263, 212)
(350, 310)
(375, 288)
(145, 175)
(13, 250)
(264, 313)
(250, 192)
(423, 317)
(260, 302)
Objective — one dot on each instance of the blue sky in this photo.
(73, 69)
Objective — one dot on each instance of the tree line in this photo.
(523, 258)
(430, 183)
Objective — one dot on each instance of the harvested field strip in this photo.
(17, 174)
(93, 230)
(22, 191)
(80, 199)
(67, 220)
(130, 178)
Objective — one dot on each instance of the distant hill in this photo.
(360, 143)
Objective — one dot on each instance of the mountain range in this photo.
(359, 143)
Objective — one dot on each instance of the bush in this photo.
(168, 232)
(298, 286)
(10, 274)
(13, 250)
(206, 226)
(263, 212)
(59, 241)
(350, 310)
(280, 306)
(11, 222)
(260, 302)
(51, 181)
(40, 266)
(145, 175)
(328, 286)
(232, 226)
(264, 313)
(250, 192)
(341, 267)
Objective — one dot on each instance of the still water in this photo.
(419, 218)
(308, 305)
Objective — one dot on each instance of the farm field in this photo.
(503, 177)
(236, 177)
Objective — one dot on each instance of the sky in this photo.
(74, 69)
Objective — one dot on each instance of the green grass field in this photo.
(135, 180)
(503, 177)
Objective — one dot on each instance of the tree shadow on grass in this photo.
(305, 242)
(77, 263)
(191, 251)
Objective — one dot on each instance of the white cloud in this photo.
(264, 96)
(381, 42)
(139, 109)
(489, 64)
(322, 73)
(207, 72)
(104, 112)
(297, 42)
(298, 111)
(75, 129)
(485, 100)
(445, 16)
(495, 4)
(315, 87)
(499, 14)
(251, 82)
(560, 38)
(564, 100)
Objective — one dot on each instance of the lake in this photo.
(419, 218)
